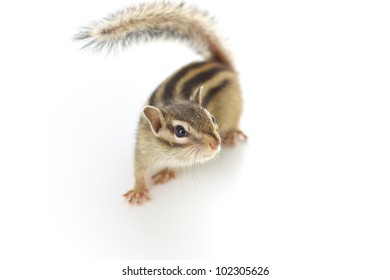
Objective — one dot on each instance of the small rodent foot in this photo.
(163, 176)
(136, 196)
(231, 137)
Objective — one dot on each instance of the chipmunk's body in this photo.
(178, 127)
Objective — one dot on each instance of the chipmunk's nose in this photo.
(214, 145)
(215, 142)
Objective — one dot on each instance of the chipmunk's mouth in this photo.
(202, 155)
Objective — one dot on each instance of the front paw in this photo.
(231, 138)
(163, 176)
(137, 196)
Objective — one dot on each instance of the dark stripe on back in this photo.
(199, 79)
(170, 86)
(214, 91)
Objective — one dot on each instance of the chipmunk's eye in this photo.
(180, 131)
(213, 119)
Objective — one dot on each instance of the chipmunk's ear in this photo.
(197, 97)
(155, 118)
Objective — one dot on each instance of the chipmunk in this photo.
(195, 110)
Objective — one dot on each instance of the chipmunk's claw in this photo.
(137, 196)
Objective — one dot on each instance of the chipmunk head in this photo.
(186, 126)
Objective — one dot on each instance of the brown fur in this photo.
(176, 106)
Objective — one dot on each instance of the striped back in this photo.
(213, 76)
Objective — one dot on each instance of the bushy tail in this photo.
(157, 20)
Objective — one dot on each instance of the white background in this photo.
(307, 195)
